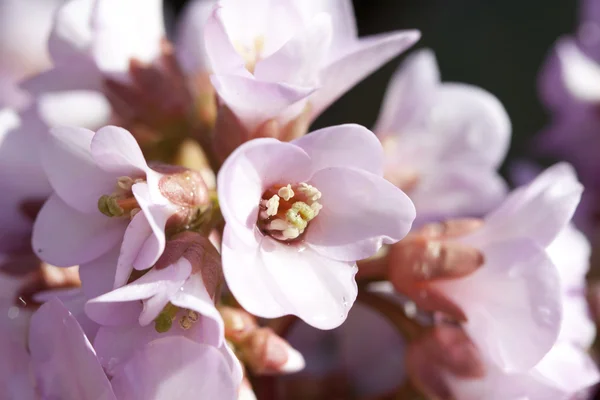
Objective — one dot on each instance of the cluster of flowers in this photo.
(158, 196)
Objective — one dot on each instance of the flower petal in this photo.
(125, 30)
(64, 361)
(71, 34)
(299, 60)
(361, 211)
(342, 16)
(251, 169)
(137, 233)
(116, 151)
(157, 216)
(512, 303)
(581, 74)
(277, 279)
(363, 59)
(539, 210)
(411, 90)
(457, 190)
(108, 309)
(168, 368)
(241, 93)
(472, 123)
(347, 145)
(224, 59)
(68, 149)
(194, 296)
(78, 75)
(190, 47)
(82, 238)
(98, 276)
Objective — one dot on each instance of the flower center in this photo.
(164, 321)
(285, 211)
(251, 54)
(121, 202)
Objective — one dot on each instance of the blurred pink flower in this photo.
(443, 142)
(23, 45)
(298, 215)
(100, 181)
(286, 56)
(65, 365)
(176, 287)
(567, 369)
(95, 39)
(22, 179)
(513, 302)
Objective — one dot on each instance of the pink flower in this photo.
(567, 369)
(513, 302)
(443, 142)
(94, 39)
(65, 365)
(286, 56)
(22, 178)
(92, 217)
(298, 215)
(23, 45)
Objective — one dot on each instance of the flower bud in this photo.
(265, 353)
(238, 323)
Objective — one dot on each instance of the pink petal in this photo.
(193, 296)
(190, 47)
(137, 233)
(108, 309)
(224, 59)
(342, 17)
(361, 60)
(538, 211)
(157, 216)
(411, 90)
(78, 75)
(168, 368)
(15, 368)
(361, 211)
(299, 60)
(240, 94)
(569, 368)
(277, 279)
(512, 303)
(347, 145)
(249, 171)
(472, 124)
(82, 238)
(580, 74)
(71, 34)
(125, 30)
(116, 151)
(73, 108)
(68, 149)
(237, 371)
(73, 299)
(63, 359)
(117, 344)
(98, 276)
(457, 190)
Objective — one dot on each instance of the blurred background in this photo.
(498, 45)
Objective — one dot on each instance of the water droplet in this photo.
(344, 302)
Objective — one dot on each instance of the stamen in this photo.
(164, 321)
(273, 205)
(286, 192)
(125, 183)
(109, 207)
(285, 220)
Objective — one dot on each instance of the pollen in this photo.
(286, 210)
